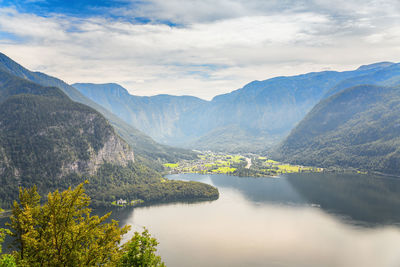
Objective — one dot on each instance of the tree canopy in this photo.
(62, 232)
(140, 251)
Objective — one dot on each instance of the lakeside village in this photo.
(250, 165)
(208, 162)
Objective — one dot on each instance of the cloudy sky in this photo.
(193, 47)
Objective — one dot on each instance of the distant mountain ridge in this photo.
(383, 64)
(386, 76)
(156, 115)
(263, 111)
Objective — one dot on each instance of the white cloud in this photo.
(221, 45)
(200, 11)
(31, 26)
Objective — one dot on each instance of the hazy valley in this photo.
(252, 119)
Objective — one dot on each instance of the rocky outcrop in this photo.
(3, 161)
(44, 136)
(114, 151)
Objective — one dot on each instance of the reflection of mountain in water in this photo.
(260, 189)
(119, 214)
(362, 198)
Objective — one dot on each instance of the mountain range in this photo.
(49, 141)
(144, 146)
(326, 119)
(250, 119)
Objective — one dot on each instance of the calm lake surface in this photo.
(295, 220)
(301, 220)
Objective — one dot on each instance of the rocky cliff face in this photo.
(50, 141)
(54, 137)
(140, 142)
(114, 151)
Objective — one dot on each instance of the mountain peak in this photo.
(383, 64)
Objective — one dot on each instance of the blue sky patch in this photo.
(76, 8)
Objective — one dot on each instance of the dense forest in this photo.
(356, 128)
(138, 182)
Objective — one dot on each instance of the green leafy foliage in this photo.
(6, 260)
(140, 251)
(62, 232)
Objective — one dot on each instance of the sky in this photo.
(192, 47)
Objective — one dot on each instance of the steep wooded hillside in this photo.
(356, 128)
(144, 146)
(50, 141)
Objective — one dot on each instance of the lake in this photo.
(295, 220)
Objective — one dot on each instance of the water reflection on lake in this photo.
(299, 220)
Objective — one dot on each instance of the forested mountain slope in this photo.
(142, 144)
(45, 138)
(356, 128)
(50, 141)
